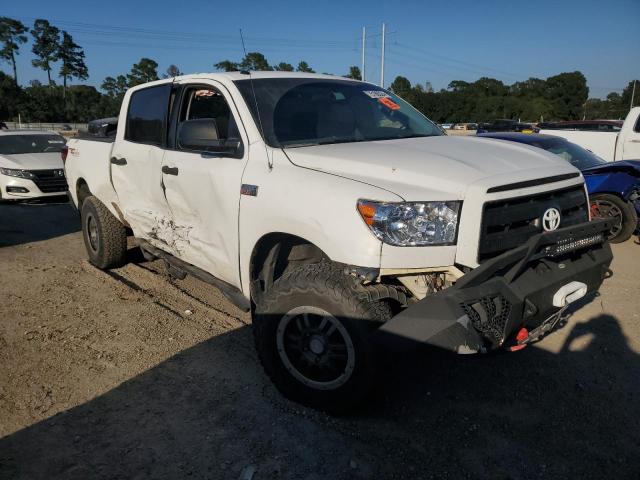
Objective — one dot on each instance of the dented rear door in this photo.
(136, 162)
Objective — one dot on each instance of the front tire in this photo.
(312, 334)
(105, 238)
(618, 211)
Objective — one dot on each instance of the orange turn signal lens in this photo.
(367, 211)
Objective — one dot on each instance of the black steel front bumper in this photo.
(491, 303)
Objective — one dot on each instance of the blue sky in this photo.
(436, 41)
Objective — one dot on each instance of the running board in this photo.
(179, 269)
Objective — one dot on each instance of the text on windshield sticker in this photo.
(376, 93)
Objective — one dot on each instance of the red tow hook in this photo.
(522, 335)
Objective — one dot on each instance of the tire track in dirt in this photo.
(150, 286)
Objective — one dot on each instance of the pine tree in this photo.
(72, 57)
(11, 36)
(46, 45)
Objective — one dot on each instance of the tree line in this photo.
(560, 97)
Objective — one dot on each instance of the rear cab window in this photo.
(147, 115)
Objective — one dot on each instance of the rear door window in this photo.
(147, 115)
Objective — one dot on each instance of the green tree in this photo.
(304, 67)
(254, 61)
(46, 45)
(226, 66)
(83, 104)
(172, 71)
(283, 67)
(12, 34)
(115, 87)
(401, 86)
(146, 70)
(627, 92)
(42, 103)
(10, 97)
(567, 94)
(354, 72)
(72, 57)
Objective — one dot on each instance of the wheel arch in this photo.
(274, 254)
(82, 191)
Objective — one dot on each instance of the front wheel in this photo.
(312, 330)
(621, 213)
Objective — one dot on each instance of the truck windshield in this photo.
(298, 112)
(17, 144)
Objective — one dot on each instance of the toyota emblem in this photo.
(551, 219)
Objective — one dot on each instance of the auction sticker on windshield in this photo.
(387, 102)
(376, 93)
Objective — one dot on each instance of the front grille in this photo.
(509, 223)
(49, 181)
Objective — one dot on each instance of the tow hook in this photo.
(525, 337)
(521, 337)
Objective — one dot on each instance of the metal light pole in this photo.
(382, 65)
(633, 94)
(364, 39)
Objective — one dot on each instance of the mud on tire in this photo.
(312, 334)
(105, 238)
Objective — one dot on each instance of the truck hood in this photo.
(437, 168)
(32, 161)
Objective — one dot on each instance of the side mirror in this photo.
(201, 135)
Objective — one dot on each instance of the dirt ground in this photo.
(125, 374)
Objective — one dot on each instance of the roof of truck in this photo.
(244, 75)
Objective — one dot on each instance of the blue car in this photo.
(614, 187)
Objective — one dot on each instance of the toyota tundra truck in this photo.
(343, 219)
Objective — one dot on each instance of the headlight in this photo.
(412, 224)
(12, 172)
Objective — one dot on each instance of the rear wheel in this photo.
(621, 213)
(105, 238)
(312, 333)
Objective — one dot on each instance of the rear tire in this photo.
(105, 238)
(617, 210)
(312, 334)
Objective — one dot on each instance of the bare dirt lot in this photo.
(125, 374)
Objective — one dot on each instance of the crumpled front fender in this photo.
(506, 293)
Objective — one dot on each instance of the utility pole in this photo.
(382, 65)
(633, 94)
(364, 39)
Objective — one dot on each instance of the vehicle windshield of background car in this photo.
(579, 157)
(311, 111)
(19, 144)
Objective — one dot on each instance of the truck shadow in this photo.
(210, 412)
(22, 223)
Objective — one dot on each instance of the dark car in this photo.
(614, 187)
(506, 125)
(584, 125)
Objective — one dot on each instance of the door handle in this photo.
(118, 161)
(635, 141)
(170, 170)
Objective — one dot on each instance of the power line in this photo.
(134, 32)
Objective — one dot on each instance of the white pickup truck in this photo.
(611, 146)
(341, 217)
